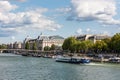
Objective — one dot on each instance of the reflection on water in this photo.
(7, 54)
(14, 67)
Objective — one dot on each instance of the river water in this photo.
(13, 67)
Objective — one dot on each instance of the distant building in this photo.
(17, 45)
(83, 37)
(43, 40)
(10, 46)
(93, 38)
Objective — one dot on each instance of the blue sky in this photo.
(19, 18)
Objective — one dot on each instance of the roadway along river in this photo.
(29, 68)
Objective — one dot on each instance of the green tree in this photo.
(100, 46)
(3, 46)
(115, 43)
(88, 45)
(52, 47)
(34, 46)
(77, 46)
(109, 45)
(27, 46)
(83, 46)
(46, 48)
(69, 44)
(74, 45)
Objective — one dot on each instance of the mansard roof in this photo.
(98, 37)
(55, 37)
(42, 37)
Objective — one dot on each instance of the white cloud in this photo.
(91, 31)
(79, 31)
(89, 10)
(21, 21)
(13, 37)
(88, 30)
(5, 6)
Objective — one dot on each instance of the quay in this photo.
(34, 53)
(50, 54)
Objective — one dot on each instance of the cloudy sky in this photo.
(21, 18)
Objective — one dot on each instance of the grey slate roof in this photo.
(55, 37)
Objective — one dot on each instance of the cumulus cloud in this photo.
(5, 6)
(17, 22)
(102, 11)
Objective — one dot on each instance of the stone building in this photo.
(10, 46)
(42, 40)
(93, 38)
(83, 37)
(17, 45)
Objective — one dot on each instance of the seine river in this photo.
(13, 67)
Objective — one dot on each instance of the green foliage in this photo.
(34, 46)
(74, 45)
(99, 46)
(84, 46)
(77, 46)
(115, 42)
(87, 45)
(46, 48)
(69, 44)
(108, 42)
(27, 46)
(52, 47)
(3, 46)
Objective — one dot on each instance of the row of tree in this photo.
(34, 47)
(27, 46)
(108, 45)
(47, 48)
(3, 46)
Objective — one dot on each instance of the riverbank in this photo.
(104, 58)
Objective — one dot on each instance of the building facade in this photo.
(93, 38)
(42, 41)
(10, 46)
(83, 37)
(15, 45)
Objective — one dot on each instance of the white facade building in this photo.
(43, 41)
(17, 45)
(93, 38)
